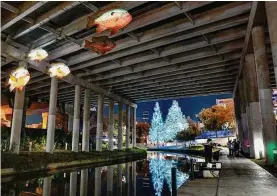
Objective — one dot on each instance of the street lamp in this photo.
(275, 157)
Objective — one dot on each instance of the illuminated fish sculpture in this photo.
(58, 70)
(18, 78)
(100, 45)
(113, 20)
(37, 55)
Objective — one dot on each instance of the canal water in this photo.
(150, 176)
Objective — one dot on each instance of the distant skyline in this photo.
(189, 105)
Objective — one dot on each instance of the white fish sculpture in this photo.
(59, 70)
(37, 55)
(19, 77)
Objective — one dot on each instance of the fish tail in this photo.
(114, 31)
(87, 43)
(91, 22)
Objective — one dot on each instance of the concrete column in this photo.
(134, 136)
(73, 183)
(47, 186)
(97, 181)
(265, 94)
(110, 180)
(119, 179)
(111, 125)
(255, 120)
(271, 7)
(238, 118)
(127, 126)
(84, 182)
(76, 121)
(69, 111)
(100, 116)
(134, 178)
(85, 139)
(120, 126)
(17, 121)
(248, 115)
(51, 125)
(243, 117)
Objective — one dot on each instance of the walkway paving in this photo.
(239, 177)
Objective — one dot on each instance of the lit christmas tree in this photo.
(175, 121)
(155, 133)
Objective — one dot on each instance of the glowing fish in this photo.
(100, 45)
(112, 20)
(18, 78)
(59, 70)
(37, 55)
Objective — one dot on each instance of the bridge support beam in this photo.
(127, 126)
(271, 7)
(265, 93)
(76, 121)
(100, 116)
(245, 142)
(111, 125)
(51, 125)
(134, 136)
(85, 139)
(17, 121)
(255, 119)
(120, 125)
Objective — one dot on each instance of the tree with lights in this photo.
(155, 134)
(175, 121)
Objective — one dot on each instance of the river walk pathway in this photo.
(239, 177)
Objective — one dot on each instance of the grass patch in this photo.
(270, 169)
(26, 160)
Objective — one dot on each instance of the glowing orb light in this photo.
(59, 70)
(19, 77)
(37, 55)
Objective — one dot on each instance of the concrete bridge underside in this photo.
(169, 50)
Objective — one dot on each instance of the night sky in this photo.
(190, 106)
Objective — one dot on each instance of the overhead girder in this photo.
(172, 49)
(21, 56)
(174, 61)
(79, 24)
(170, 68)
(44, 18)
(140, 21)
(174, 27)
(26, 8)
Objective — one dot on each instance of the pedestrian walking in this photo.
(229, 143)
(208, 151)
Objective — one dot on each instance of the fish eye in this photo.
(112, 13)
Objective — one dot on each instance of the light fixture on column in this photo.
(37, 55)
(19, 77)
(59, 70)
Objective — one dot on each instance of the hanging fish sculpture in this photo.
(113, 20)
(100, 45)
(37, 55)
(58, 70)
(18, 78)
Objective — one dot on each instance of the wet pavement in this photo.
(239, 177)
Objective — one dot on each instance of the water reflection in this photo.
(151, 176)
(160, 169)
